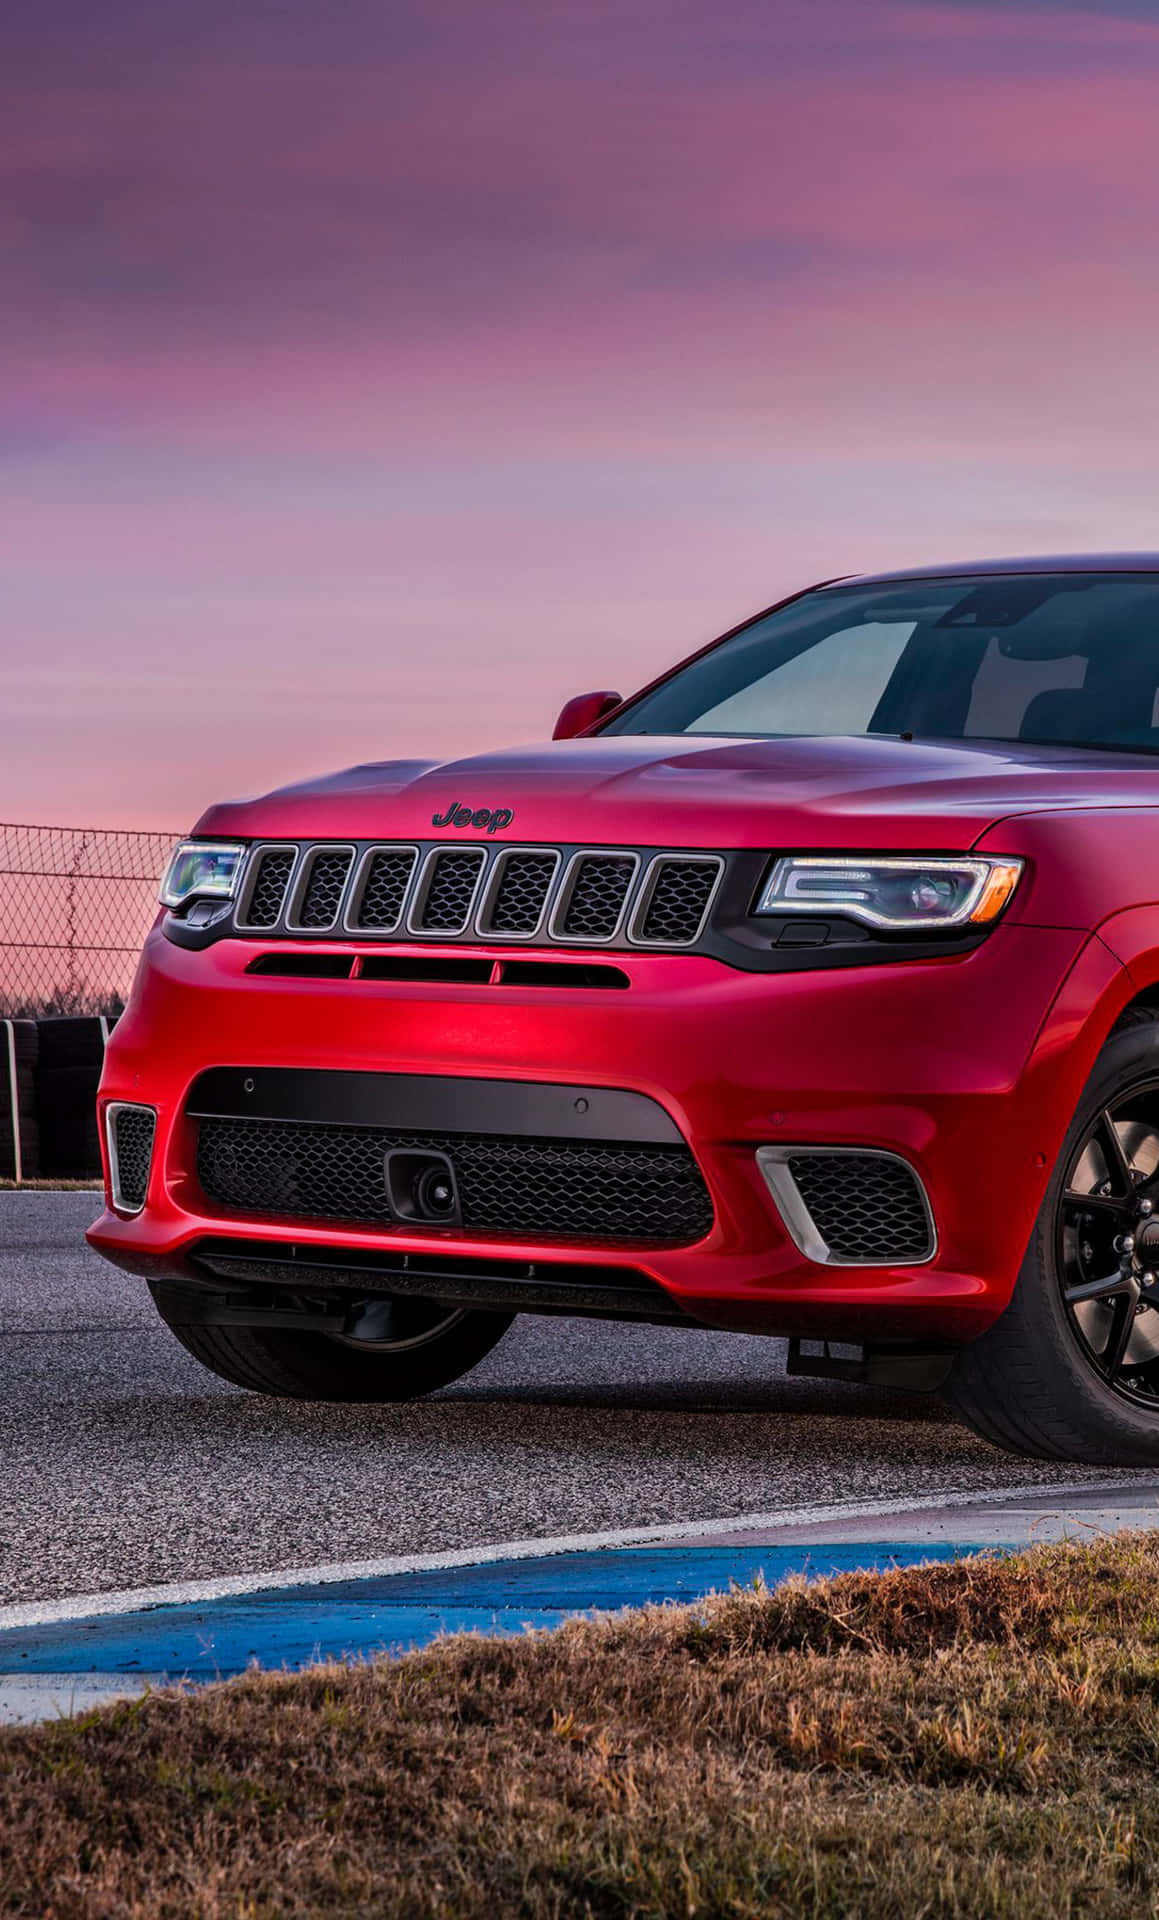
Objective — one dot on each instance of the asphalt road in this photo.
(124, 1463)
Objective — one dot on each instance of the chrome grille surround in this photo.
(320, 888)
(580, 866)
(265, 886)
(382, 883)
(498, 894)
(656, 876)
(450, 875)
(498, 888)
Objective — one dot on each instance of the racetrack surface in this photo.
(122, 1462)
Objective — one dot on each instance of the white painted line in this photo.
(181, 1593)
(14, 1088)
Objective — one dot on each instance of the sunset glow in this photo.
(377, 377)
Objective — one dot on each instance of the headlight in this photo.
(907, 895)
(201, 870)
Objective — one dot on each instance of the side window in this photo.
(1005, 687)
(832, 687)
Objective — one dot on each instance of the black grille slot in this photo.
(597, 891)
(679, 895)
(133, 1129)
(304, 966)
(268, 892)
(325, 884)
(387, 879)
(435, 968)
(865, 1206)
(562, 973)
(553, 1189)
(524, 883)
(450, 890)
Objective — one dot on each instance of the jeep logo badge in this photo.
(494, 819)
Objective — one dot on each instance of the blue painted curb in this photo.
(295, 1626)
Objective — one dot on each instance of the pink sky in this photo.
(377, 376)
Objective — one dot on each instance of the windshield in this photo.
(1067, 658)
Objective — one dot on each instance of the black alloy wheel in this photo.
(1107, 1244)
(1070, 1370)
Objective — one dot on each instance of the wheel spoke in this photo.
(1111, 1147)
(1111, 1358)
(1093, 1202)
(1114, 1284)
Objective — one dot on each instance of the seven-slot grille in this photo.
(546, 1188)
(593, 896)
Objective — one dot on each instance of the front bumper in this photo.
(969, 1068)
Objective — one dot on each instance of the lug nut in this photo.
(1125, 1243)
(1146, 1207)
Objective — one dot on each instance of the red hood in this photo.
(679, 791)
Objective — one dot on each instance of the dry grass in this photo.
(979, 1739)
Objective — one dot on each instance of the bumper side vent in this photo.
(131, 1130)
(851, 1206)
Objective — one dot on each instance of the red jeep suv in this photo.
(812, 991)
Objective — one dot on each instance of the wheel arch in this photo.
(1132, 937)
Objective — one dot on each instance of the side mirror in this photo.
(583, 712)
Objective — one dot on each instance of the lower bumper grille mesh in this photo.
(554, 1189)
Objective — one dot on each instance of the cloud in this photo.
(375, 335)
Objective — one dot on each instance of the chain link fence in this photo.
(75, 906)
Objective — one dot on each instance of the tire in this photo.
(1032, 1383)
(321, 1366)
(66, 1113)
(73, 1040)
(71, 1056)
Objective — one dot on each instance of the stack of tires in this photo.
(19, 1134)
(68, 1073)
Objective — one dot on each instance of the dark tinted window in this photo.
(1046, 657)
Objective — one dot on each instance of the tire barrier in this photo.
(19, 1129)
(68, 1073)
